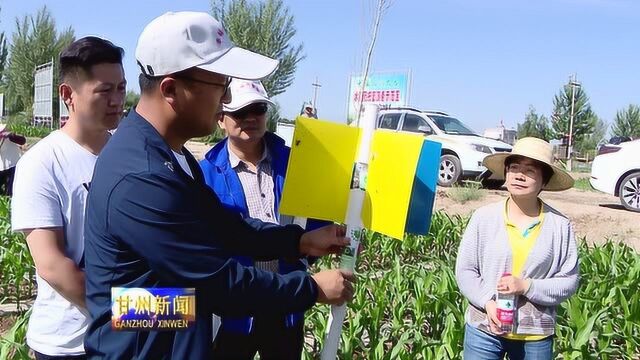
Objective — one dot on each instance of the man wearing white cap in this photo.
(156, 224)
(247, 171)
(309, 111)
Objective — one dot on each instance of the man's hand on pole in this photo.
(330, 239)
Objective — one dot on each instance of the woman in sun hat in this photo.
(522, 247)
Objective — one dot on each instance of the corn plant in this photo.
(407, 304)
(13, 343)
(16, 265)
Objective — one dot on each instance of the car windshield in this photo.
(451, 125)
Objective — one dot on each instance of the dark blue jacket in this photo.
(221, 177)
(149, 224)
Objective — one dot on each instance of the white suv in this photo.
(616, 171)
(462, 149)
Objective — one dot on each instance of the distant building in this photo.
(502, 133)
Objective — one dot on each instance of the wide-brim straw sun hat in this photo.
(535, 149)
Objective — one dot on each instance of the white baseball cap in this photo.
(246, 92)
(178, 41)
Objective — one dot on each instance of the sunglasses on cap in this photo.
(257, 109)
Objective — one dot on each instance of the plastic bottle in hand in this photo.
(506, 308)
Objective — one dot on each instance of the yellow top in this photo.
(521, 244)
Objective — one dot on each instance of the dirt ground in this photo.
(5, 323)
(595, 215)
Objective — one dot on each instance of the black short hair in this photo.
(82, 54)
(547, 171)
(148, 83)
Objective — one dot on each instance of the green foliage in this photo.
(589, 144)
(19, 124)
(217, 135)
(407, 304)
(583, 184)
(584, 120)
(17, 273)
(13, 344)
(131, 100)
(35, 41)
(3, 55)
(469, 191)
(534, 125)
(627, 122)
(602, 321)
(266, 27)
(16, 265)
(273, 117)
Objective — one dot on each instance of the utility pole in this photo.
(315, 85)
(573, 82)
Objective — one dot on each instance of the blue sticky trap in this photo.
(423, 193)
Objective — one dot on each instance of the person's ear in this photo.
(67, 94)
(169, 90)
(221, 123)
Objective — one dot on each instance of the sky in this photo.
(481, 61)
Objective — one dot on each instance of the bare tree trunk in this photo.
(382, 5)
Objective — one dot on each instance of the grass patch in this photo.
(23, 127)
(583, 184)
(469, 191)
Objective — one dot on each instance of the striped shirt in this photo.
(258, 192)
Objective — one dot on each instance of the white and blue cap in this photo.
(246, 92)
(177, 41)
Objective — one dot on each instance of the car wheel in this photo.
(630, 192)
(450, 170)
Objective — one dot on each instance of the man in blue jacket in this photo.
(247, 171)
(151, 220)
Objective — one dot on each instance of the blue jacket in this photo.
(224, 181)
(149, 224)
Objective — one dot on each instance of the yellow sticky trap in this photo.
(319, 171)
(392, 168)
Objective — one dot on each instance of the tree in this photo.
(590, 142)
(584, 119)
(35, 41)
(3, 55)
(534, 125)
(131, 100)
(265, 27)
(273, 117)
(627, 122)
(381, 7)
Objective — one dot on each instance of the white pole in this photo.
(315, 85)
(354, 226)
(572, 82)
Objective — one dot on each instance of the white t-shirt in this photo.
(50, 190)
(184, 164)
(9, 154)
